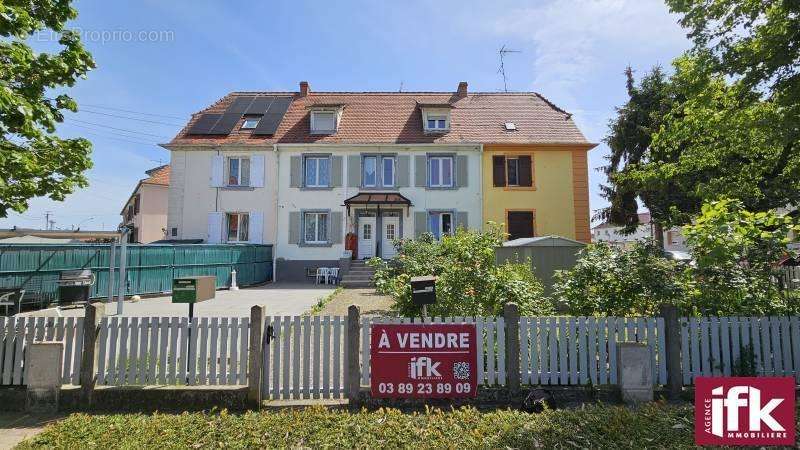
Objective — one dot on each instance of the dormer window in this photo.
(436, 118)
(325, 120)
(251, 122)
(437, 123)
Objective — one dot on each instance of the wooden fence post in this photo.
(353, 351)
(672, 340)
(511, 318)
(91, 321)
(257, 313)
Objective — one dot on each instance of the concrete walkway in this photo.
(16, 427)
(279, 298)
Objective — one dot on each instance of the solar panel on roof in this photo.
(260, 105)
(240, 104)
(280, 105)
(272, 118)
(269, 123)
(204, 124)
(226, 123)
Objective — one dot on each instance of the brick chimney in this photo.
(462, 89)
(303, 88)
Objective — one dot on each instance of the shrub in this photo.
(469, 283)
(737, 253)
(621, 282)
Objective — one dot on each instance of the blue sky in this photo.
(193, 52)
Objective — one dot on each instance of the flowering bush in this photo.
(470, 282)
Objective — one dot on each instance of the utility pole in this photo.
(47, 223)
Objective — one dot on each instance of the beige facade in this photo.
(146, 208)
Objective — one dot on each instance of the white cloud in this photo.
(576, 41)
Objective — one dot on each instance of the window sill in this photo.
(316, 188)
(315, 244)
(379, 188)
(322, 132)
(519, 188)
(237, 188)
(437, 131)
(441, 188)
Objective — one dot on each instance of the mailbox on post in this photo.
(193, 289)
(423, 290)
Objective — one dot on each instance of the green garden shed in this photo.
(547, 254)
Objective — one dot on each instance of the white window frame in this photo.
(385, 160)
(441, 173)
(316, 130)
(239, 236)
(364, 170)
(238, 171)
(438, 119)
(250, 123)
(318, 182)
(508, 171)
(316, 227)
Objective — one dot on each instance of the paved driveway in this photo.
(279, 299)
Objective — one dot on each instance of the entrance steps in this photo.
(359, 276)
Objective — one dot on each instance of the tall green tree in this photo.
(34, 161)
(630, 135)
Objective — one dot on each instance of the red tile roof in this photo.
(158, 175)
(395, 117)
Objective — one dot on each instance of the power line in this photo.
(94, 133)
(130, 118)
(133, 112)
(118, 129)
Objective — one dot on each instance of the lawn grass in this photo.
(656, 425)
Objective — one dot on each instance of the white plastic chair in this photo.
(7, 299)
(322, 274)
(333, 275)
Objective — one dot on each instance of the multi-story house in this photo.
(145, 212)
(315, 173)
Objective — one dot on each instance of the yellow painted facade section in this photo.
(552, 197)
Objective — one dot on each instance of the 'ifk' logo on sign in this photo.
(744, 411)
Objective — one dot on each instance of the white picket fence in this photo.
(304, 357)
(713, 346)
(491, 345)
(16, 334)
(579, 350)
(170, 350)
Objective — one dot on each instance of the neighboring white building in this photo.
(612, 234)
(145, 211)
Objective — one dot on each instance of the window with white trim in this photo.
(238, 171)
(387, 175)
(317, 171)
(440, 171)
(370, 169)
(251, 122)
(436, 123)
(323, 121)
(315, 228)
(440, 224)
(238, 227)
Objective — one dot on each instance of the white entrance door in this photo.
(366, 237)
(391, 231)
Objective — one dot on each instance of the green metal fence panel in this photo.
(150, 267)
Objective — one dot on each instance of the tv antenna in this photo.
(401, 86)
(502, 70)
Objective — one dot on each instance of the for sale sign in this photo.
(749, 411)
(423, 361)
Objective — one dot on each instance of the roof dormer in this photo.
(435, 117)
(325, 118)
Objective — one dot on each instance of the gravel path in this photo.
(371, 303)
